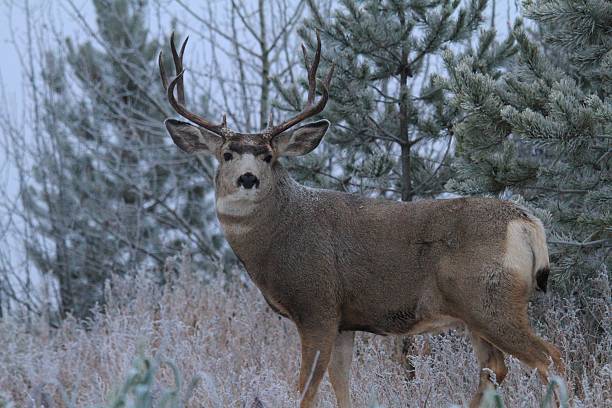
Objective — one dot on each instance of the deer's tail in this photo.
(527, 251)
(539, 249)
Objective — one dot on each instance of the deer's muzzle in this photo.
(248, 180)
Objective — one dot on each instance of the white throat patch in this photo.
(239, 203)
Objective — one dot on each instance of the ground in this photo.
(223, 334)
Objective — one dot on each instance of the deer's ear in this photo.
(302, 140)
(192, 138)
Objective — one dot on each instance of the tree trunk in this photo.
(265, 68)
(406, 174)
(403, 127)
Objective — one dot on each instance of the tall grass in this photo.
(217, 344)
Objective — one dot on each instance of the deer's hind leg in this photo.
(500, 318)
(509, 330)
(522, 343)
(491, 361)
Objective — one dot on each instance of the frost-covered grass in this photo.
(223, 336)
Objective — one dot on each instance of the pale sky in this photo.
(54, 19)
(13, 30)
(57, 14)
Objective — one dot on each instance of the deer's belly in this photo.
(436, 324)
(400, 322)
(277, 307)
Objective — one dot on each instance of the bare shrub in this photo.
(222, 334)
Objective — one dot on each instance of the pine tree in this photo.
(110, 193)
(392, 130)
(542, 129)
(107, 191)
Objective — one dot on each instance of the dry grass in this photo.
(224, 334)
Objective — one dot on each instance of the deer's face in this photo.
(246, 161)
(245, 168)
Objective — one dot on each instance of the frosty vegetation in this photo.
(231, 350)
(431, 99)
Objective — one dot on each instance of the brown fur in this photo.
(336, 262)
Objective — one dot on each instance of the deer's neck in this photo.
(251, 226)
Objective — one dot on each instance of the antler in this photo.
(310, 109)
(179, 105)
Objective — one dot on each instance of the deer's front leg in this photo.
(340, 368)
(317, 346)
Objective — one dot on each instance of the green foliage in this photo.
(110, 192)
(493, 399)
(140, 391)
(393, 124)
(5, 402)
(542, 130)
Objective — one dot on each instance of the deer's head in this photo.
(246, 160)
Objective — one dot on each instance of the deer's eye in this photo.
(268, 158)
(227, 156)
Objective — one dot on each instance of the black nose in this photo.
(248, 180)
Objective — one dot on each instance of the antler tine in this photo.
(312, 72)
(309, 109)
(329, 75)
(177, 82)
(162, 71)
(181, 110)
(178, 66)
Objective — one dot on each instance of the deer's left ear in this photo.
(302, 140)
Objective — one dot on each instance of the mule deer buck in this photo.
(335, 263)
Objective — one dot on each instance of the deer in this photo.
(335, 263)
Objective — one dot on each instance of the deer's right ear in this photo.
(192, 139)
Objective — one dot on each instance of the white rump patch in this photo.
(518, 255)
(526, 249)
